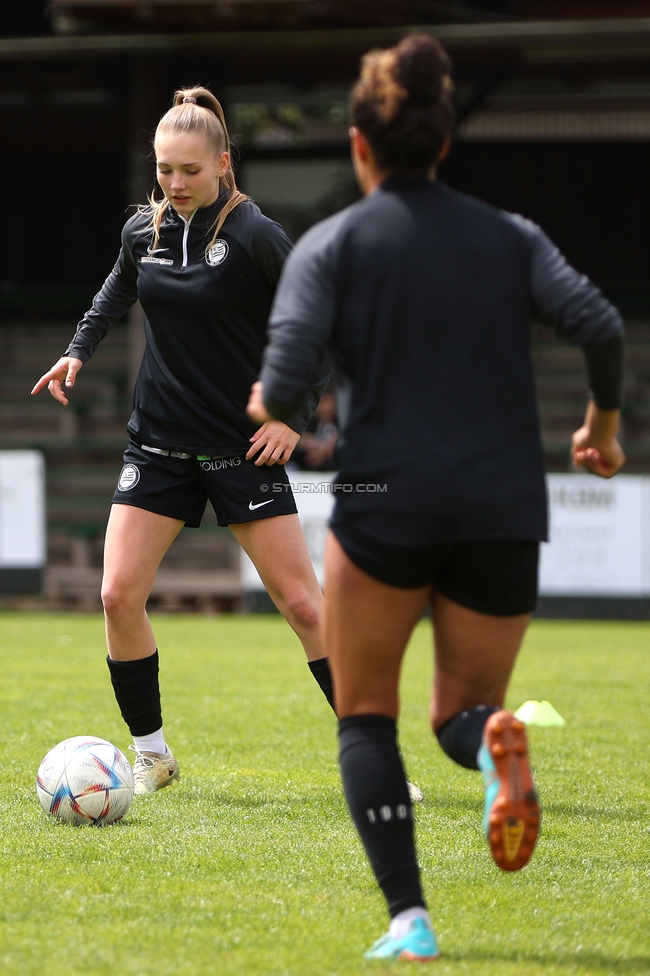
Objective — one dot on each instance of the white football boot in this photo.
(415, 794)
(153, 771)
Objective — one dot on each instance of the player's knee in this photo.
(301, 610)
(461, 735)
(119, 600)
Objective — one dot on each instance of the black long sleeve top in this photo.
(205, 311)
(424, 298)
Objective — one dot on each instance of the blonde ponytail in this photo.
(196, 110)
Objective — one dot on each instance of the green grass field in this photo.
(251, 865)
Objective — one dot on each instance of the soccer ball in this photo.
(85, 780)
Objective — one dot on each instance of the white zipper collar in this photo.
(186, 230)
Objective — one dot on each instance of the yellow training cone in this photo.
(539, 713)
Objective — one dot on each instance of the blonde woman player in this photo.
(204, 262)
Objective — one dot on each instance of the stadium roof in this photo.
(533, 41)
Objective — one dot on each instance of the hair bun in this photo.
(402, 103)
(418, 69)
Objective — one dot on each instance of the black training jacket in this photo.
(424, 297)
(205, 322)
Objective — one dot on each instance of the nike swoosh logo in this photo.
(157, 250)
(259, 504)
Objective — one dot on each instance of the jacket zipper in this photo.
(186, 231)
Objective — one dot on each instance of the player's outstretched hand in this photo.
(63, 372)
(275, 441)
(595, 447)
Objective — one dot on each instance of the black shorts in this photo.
(498, 577)
(180, 487)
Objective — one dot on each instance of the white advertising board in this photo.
(599, 533)
(599, 540)
(22, 510)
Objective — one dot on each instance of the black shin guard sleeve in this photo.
(460, 736)
(321, 671)
(136, 688)
(377, 794)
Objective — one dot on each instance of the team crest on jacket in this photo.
(218, 253)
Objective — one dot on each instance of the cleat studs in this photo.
(498, 750)
(520, 748)
(517, 725)
(497, 728)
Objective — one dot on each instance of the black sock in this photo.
(135, 684)
(375, 788)
(321, 671)
(460, 736)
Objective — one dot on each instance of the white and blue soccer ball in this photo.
(85, 780)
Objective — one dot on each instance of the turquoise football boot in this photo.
(418, 944)
(490, 783)
(511, 817)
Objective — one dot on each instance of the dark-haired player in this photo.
(423, 296)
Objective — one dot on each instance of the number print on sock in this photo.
(401, 812)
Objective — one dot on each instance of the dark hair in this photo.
(403, 103)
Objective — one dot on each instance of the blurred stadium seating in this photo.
(83, 446)
(561, 388)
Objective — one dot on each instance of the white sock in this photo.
(154, 742)
(400, 925)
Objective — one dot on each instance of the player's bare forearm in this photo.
(595, 446)
(256, 409)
